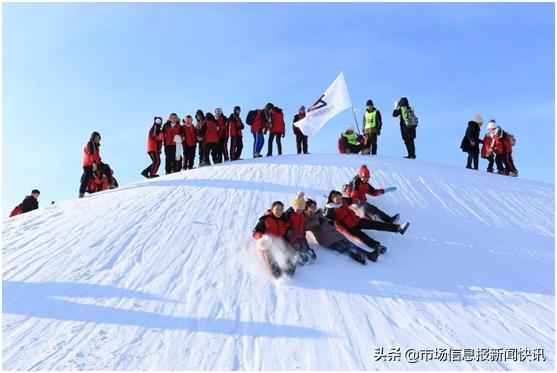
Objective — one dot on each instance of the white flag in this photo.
(335, 100)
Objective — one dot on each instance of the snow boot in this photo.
(81, 195)
(382, 249)
(275, 270)
(145, 174)
(395, 218)
(359, 257)
(513, 174)
(402, 228)
(373, 255)
(312, 254)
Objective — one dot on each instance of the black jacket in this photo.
(472, 135)
(29, 204)
(407, 133)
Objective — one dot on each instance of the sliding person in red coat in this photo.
(30, 203)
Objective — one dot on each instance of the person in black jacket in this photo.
(471, 141)
(408, 133)
(301, 139)
(371, 123)
(29, 203)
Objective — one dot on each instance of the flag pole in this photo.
(355, 120)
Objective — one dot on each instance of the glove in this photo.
(396, 104)
(283, 134)
(94, 167)
(390, 189)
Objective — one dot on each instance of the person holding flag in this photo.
(301, 139)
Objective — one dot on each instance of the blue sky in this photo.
(70, 69)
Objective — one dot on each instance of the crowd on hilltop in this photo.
(216, 138)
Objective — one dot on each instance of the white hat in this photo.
(478, 119)
(350, 128)
(491, 125)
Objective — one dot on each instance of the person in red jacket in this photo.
(210, 133)
(235, 127)
(504, 143)
(301, 139)
(297, 235)
(222, 122)
(199, 120)
(92, 162)
(154, 146)
(30, 203)
(259, 128)
(189, 142)
(270, 233)
(277, 130)
(359, 188)
(494, 149)
(338, 210)
(171, 131)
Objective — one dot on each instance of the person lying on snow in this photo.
(271, 235)
(29, 203)
(327, 236)
(99, 181)
(346, 221)
(297, 232)
(350, 142)
(358, 188)
(92, 162)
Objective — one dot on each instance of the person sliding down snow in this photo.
(270, 233)
(357, 190)
(297, 233)
(338, 209)
(30, 203)
(327, 236)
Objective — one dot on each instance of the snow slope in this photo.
(163, 274)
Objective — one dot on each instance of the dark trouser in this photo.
(374, 213)
(189, 157)
(88, 174)
(213, 149)
(236, 146)
(272, 136)
(508, 163)
(410, 147)
(301, 143)
(201, 151)
(499, 162)
(473, 156)
(223, 149)
(376, 225)
(170, 159)
(363, 237)
(347, 247)
(152, 169)
(355, 149)
(372, 142)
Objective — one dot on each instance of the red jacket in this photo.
(343, 216)
(155, 138)
(91, 154)
(499, 149)
(297, 225)
(235, 125)
(277, 121)
(189, 135)
(360, 189)
(169, 133)
(485, 146)
(269, 224)
(223, 130)
(211, 132)
(261, 122)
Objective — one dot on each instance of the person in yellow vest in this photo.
(372, 126)
(350, 142)
(408, 124)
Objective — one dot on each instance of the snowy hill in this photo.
(163, 274)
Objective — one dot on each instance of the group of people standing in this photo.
(351, 142)
(497, 147)
(345, 215)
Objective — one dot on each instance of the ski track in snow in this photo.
(163, 274)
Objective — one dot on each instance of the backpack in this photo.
(511, 138)
(252, 114)
(411, 118)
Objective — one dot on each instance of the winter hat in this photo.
(478, 119)
(298, 203)
(491, 125)
(369, 102)
(159, 120)
(364, 172)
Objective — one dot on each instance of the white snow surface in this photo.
(164, 273)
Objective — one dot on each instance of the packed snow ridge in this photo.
(164, 273)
